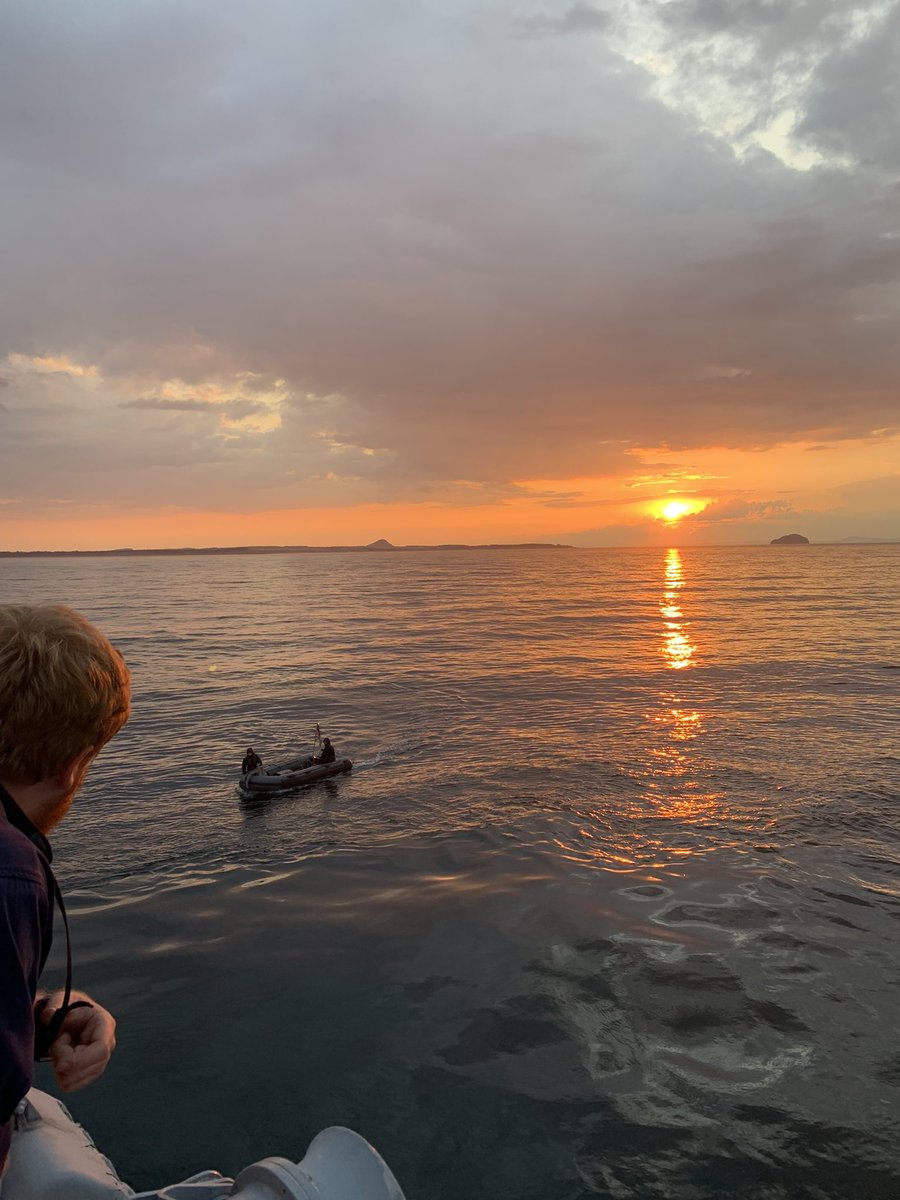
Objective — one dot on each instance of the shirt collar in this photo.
(19, 821)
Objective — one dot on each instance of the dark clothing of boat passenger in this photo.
(64, 692)
(26, 920)
(251, 761)
(327, 755)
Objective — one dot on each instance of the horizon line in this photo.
(386, 548)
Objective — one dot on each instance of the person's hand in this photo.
(84, 1045)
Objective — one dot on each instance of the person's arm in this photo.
(86, 1040)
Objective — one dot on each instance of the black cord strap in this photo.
(45, 1034)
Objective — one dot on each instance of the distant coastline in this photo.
(380, 547)
(374, 548)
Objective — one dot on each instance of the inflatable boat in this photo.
(292, 774)
(53, 1158)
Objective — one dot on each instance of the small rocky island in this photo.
(790, 539)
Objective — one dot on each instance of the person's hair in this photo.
(64, 690)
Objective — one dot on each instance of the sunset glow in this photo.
(675, 509)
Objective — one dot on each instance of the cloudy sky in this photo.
(448, 270)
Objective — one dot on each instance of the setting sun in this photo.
(674, 510)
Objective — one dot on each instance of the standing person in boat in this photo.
(251, 761)
(327, 755)
(64, 692)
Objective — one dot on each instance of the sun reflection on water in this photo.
(677, 647)
(673, 786)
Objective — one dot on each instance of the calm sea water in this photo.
(607, 907)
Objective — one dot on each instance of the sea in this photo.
(609, 905)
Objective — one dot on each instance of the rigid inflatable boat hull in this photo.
(290, 775)
(53, 1158)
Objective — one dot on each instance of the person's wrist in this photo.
(44, 1009)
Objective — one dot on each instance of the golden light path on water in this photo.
(678, 650)
(673, 786)
(674, 798)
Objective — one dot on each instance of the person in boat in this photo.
(250, 761)
(64, 693)
(327, 755)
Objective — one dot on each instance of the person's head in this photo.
(327, 742)
(250, 750)
(64, 692)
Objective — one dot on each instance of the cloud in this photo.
(739, 510)
(719, 16)
(45, 364)
(872, 495)
(580, 18)
(754, 70)
(162, 404)
(521, 259)
(236, 409)
(855, 96)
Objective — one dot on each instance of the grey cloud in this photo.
(239, 409)
(854, 101)
(717, 16)
(580, 18)
(736, 509)
(780, 27)
(94, 93)
(825, 66)
(236, 409)
(489, 267)
(150, 402)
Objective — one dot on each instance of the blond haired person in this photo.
(64, 692)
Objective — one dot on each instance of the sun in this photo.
(674, 510)
(670, 510)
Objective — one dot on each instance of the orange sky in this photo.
(648, 507)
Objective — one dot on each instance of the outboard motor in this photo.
(53, 1158)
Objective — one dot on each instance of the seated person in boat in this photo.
(327, 755)
(251, 761)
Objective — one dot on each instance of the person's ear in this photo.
(70, 777)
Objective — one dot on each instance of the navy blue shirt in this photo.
(26, 931)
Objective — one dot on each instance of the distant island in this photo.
(379, 546)
(797, 539)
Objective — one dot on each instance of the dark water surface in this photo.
(607, 907)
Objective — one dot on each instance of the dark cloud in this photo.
(235, 409)
(580, 18)
(717, 16)
(826, 68)
(168, 405)
(854, 99)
